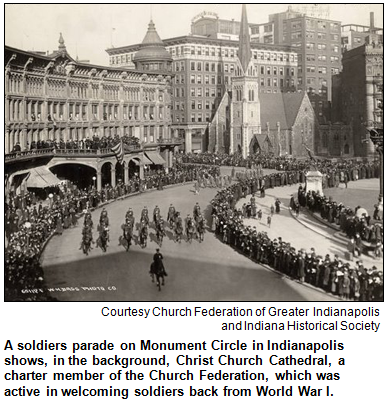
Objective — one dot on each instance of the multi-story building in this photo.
(316, 40)
(203, 68)
(54, 98)
(249, 121)
(354, 35)
(318, 44)
(360, 90)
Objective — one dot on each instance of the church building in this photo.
(248, 121)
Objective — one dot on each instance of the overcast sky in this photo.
(89, 29)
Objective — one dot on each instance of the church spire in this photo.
(244, 52)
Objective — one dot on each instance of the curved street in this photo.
(210, 271)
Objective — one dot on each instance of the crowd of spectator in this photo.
(355, 223)
(29, 222)
(326, 272)
(334, 172)
(86, 144)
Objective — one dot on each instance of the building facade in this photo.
(317, 41)
(248, 121)
(203, 69)
(54, 97)
(360, 86)
(354, 35)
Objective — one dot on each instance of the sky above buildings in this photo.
(89, 29)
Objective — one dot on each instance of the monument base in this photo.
(314, 181)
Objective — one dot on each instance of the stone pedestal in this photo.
(314, 181)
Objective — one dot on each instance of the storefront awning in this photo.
(41, 177)
(143, 161)
(156, 158)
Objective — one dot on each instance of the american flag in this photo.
(119, 152)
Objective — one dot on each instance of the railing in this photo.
(28, 154)
(66, 151)
(169, 141)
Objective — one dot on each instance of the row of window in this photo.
(314, 35)
(322, 46)
(79, 112)
(321, 70)
(275, 82)
(321, 57)
(319, 24)
(277, 70)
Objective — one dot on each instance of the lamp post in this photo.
(50, 196)
(94, 179)
(28, 225)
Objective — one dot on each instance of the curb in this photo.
(315, 230)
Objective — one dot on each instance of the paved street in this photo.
(208, 271)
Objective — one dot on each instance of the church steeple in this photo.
(244, 52)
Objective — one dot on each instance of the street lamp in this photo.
(50, 196)
(28, 225)
(94, 179)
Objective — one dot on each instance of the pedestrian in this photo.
(269, 220)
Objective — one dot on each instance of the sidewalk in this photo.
(301, 232)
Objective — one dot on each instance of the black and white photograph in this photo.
(193, 152)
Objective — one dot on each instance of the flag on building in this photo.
(118, 150)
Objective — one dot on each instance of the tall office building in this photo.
(318, 44)
(360, 97)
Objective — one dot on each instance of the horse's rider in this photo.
(145, 215)
(156, 213)
(158, 265)
(171, 213)
(104, 219)
(196, 211)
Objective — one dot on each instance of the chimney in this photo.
(372, 21)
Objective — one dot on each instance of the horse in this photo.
(200, 230)
(178, 231)
(157, 270)
(103, 238)
(127, 235)
(190, 231)
(160, 233)
(86, 244)
(143, 235)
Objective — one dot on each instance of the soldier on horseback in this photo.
(178, 227)
(189, 228)
(200, 227)
(157, 269)
(156, 214)
(196, 211)
(171, 216)
(143, 232)
(127, 229)
(144, 215)
(160, 231)
(87, 239)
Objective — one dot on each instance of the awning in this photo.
(155, 157)
(41, 177)
(143, 160)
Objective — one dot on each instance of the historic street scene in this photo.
(234, 156)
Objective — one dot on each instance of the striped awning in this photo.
(41, 177)
(143, 161)
(155, 157)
